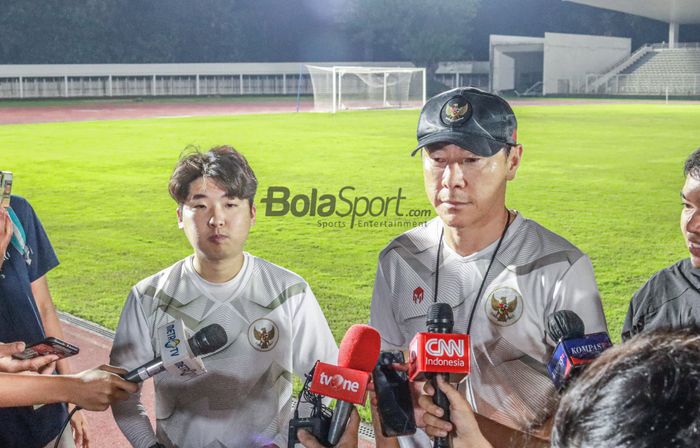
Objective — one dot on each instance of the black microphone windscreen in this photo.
(440, 315)
(208, 339)
(565, 324)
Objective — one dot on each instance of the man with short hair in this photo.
(503, 274)
(671, 297)
(273, 322)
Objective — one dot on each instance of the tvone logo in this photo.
(337, 382)
(441, 347)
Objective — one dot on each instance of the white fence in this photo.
(119, 80)
(152, 85)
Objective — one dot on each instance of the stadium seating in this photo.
(660, 71)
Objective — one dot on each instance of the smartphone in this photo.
(393, 396)
(49, 346)
(5, 188)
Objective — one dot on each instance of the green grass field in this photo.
(606, 177)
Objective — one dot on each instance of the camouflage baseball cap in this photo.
(470, 118)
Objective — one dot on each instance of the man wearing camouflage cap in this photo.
(502, 273)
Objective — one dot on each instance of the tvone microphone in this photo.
(347, 382)
(574, 349)
(207, 340)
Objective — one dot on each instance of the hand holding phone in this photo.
(8, 364)
(394, 403)
(49, 346)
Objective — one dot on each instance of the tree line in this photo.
(163, 31)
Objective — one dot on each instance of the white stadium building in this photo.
(566, 64)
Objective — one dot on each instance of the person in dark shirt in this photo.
(27, 314)
(671, 297)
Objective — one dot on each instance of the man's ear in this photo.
(180, 224)
(253, 213)
(513, 160)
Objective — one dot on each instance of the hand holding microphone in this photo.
(348, 440)
(96, 389)
(181, 359)
(462, 425)
(439, 352)
(347, 383)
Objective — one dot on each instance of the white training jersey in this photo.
(275, 327)
(534, 274)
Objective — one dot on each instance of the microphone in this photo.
(205, 341)
(439, 352)
(574, 349)
(347, 382)
(440, 320)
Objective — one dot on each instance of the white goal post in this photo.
(343, 87)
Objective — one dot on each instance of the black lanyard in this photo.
(483, 281)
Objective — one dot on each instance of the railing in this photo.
(608, 74)
(664, 46)
(152, 85)
(633, 84)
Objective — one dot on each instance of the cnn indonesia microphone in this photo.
(439, 352)
(574, 349)
(180, 359)
(347, 382)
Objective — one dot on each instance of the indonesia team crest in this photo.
(456, 111)
(504, 306)
(263, 335)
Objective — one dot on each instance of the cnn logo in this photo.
(441, 347)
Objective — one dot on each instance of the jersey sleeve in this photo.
(382, 315)
(634, 320)
(577, 291)
(312, 338)
(132, 348)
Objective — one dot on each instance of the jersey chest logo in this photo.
(504, 306)
(418, 295)
(263, 335)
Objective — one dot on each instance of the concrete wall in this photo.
(503, 76)
(506, 55)
(568, 58)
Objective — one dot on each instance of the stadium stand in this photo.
(654, 70)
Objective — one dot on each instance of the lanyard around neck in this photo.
(483, 281)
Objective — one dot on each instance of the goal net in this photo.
(343, 88)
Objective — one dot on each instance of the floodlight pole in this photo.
(425, 84)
